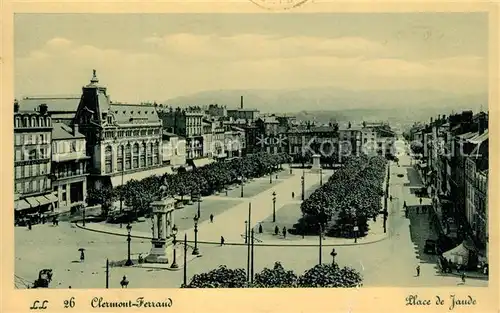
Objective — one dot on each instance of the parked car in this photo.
(430, 246)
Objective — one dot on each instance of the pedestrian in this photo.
(276, 230)
(417, 209)
(293, 195)
(124, 282)
(211, 218)
(418, 270)
(82, 256)
(390, 198)
(221, 241)
(29, 224)
(420, 200)
(260, 228)
(404, 204)
(463, 277)
(284, 232)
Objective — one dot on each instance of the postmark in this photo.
(277, 5)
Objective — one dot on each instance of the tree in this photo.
(103, 196)
(330, 276)
(277, 277)
(221, 277)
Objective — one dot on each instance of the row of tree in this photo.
(347, 200)
(201, 181)
(321, 275)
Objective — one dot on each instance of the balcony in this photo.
(70, 156)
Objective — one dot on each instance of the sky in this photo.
(155, 57)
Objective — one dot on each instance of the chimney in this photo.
(482, 123)
(75, 129)
(43, 108)
(241, 102)
(16, 106)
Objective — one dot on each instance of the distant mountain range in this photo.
(325, 104)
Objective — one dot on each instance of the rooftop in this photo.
(62, 131)
(54, 103)
(133, 113)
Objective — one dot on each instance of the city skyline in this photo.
(162, 58)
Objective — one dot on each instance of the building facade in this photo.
(123, 140)
(187, 123)
(69, 167)
(32, 160)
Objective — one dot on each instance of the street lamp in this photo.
(333, 254)
(242, 182)
(321, 177)
(129, 261)
(302, 178)
(274, 206)
(83, 213)
(271, 177)
(355, 228)
(174, 263)
(199, 203)
(246, 231)
(195, 250)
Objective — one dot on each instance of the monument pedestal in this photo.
(316, 166)
(162, 224)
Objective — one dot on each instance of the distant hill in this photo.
(333, 103)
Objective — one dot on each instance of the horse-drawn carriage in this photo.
(44, 279)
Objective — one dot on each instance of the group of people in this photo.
(283, 231)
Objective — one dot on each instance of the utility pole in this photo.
(107, 273)
(249, 240)
(185, 260)
(252, 266)
(320, 242)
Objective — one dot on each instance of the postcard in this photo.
(251, 156)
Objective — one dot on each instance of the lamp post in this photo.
(83, 213)
(355, 228)
(303, 178)
(333, 254)
(174, 262)
(195, 250)
(321, 177)
(274, 206)
(199, 203)
(241, 189)
(271, 177)
(246, 231)
(320, 243)
(129, 261)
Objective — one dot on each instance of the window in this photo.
(18, 156)
(73, 146)
(108, 159)
(150, 154)
(156, 154)
(128, 157)
(34, 185)
(19, 188)
(19, 172)
(143, 155)
(27, 171)
(119, 159)
(42, 184)
(135, 157)
(34, 169)
(42, 169)
(27, 187)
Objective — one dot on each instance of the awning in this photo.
(51, 197)
(202, 162)
(32, 201)
(458, 255)
(117, 180)
(21, 205)
(42, 200)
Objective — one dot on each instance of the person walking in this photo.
(420, 200)
(390, 198)
(276, 230)
(462, 276)
(404, 204)
(222, 241)
(211, 218)
(284, 232)
(82, 256)
(418, 270)
(124, 282)
(293, 195)
(260, 228)
(29, 224)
